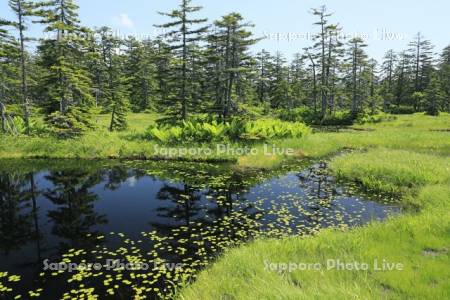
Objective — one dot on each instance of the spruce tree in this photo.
(96, 66)
(433, 95)
(421, 52)
(164, 76)
(402, 79)
(184, 31)
(22, 10)
(279, 87)
(388, 69)
(357, 60)
(264, 66)
(116, 92)
(298, 80)
(234, 40)
(141, 71)
(321, 44)
(68, 84)
(444, 75)
(9, 65)
(9, 71)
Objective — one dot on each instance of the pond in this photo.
(124, 230)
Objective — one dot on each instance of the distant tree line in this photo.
(200, 67)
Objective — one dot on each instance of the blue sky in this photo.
(384, 23)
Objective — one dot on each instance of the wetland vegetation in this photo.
(190, 166)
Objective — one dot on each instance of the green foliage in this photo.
(271, 129)
(393, 171)
(199, 131)
(72, 124)
(434, 96)
(339, 118)
(119, 115)
(377, 118)
(66, 81)
(402, 110)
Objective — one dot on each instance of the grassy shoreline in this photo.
(419, 239)
(414, 132)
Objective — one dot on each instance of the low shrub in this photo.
(71, 124)
(402, 110)
(377, 118)
(237, 129)
(339, 118)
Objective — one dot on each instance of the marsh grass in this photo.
(418, 132)
(393, 171)
(408, 157)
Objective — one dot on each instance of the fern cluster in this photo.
(236, 130)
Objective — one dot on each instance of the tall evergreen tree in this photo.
(402, 78)
(164, 76)
(116, 92)
(182, 34)
(388, 69)
(9, 65)
(140, 70)
(234, 40)
(264, 65)
(357, 59)
(95, 61)
(9, 71)
(279, 86)
(298, 80)
(67, 81)
(421, 51)
(22, 10)
(433, 95)
(320, 43)
(444, 75)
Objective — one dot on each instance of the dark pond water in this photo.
(137, 230)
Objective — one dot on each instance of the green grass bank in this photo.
(408, 158)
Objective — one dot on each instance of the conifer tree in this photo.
(116, 92)
(140, 70)
(265, 65)
(9, 71)
(298, 80)
(184, 30)
(421, 51)
(402, 78)
(234, 40)
(357, 59)
(9, 65)
(164, 76)
(433, 95)
(22, 10)
(279, 87)
(68, 84)
(388, 69)
(321, 42)
(444, 76)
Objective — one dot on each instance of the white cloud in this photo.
(132, 181)
(124, 21)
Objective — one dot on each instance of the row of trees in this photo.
(195, 67)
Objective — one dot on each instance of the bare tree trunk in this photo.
(3, 116)
(314, 82)
(184, 104)
(354, 82)
(23, 68)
